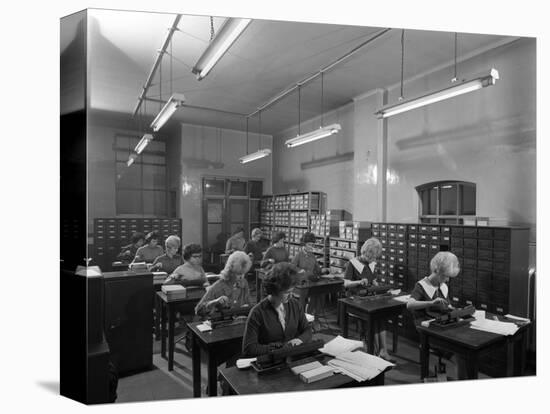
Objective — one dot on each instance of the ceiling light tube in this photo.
(226, 36)
(313, 135)
(255, 155)
(131, 159)
(175, 101)
(143, 142)
(450, 92)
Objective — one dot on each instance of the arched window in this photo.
(446, 202)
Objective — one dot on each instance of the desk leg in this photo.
(163, 330)
(510, 348)
(394, 338)
(472, 365)
(196, 367)
(344, 320)
(424, 355)
(370, 334)
(158, 307)
(171, 322)
(212, 374)
(521, 353)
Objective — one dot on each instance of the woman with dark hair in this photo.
(278, 319)
(253, 248)
(151, 250)
(190, 273)
(236, 242)
(277, 252)
(306, 261)
(128, 252)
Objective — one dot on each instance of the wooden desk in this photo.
(248, 381)
(322, 287)
(370, 309)
(168, 308)
(468, 342)
(220, 344)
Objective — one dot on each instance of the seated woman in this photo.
(128, 252)
(151, 250)
(236, 242)
(278, 319)
(430, 295)
(190, 273)
(253, 247)
(306, 261)
(277, 252)
(231, 290)
(169, 261)
(363, 271)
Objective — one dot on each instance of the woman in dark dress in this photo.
(364, 271)
(277, 320)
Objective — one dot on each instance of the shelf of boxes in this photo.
(321, 250)
(341, 250)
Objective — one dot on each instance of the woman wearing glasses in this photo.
(278, 319)
(190, 273)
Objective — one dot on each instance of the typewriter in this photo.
(229, 316)
(374, 291)
(287, 355)
(452, 317)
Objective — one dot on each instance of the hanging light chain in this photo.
(299, 101)
(259, 128)
(212, 34)
(455, 78)
(247, 135)
(402, 62)
(322, 98)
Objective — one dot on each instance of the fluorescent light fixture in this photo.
(143, 142)
(313, 135)
(226, 36)
(131, 159)
(255, 155)
(175, 101)
(450, 92)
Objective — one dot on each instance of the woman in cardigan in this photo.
(277, 252)
(231, 290)
(277, 320)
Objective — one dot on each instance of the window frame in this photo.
(439, 218)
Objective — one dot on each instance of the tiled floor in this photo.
(160, 384)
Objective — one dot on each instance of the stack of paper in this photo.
(298, 369)
(204, 327)
(403, 298)
(160, 276)
(497, 327)
(359, 365)
(340, 345)
(174, 292)
(316, 374)
(244, 362)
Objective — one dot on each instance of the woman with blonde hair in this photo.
(231, 290)
(363, 271)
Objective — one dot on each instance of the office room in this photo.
(264, 206)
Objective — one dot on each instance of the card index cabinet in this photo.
(493, 260)
(110, 234)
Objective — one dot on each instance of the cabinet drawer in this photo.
(383, 226)
(501, 267)
(501, 234)
(434, 239)
(445, 230)
(485, 254)
(413, 228)
(375, 233)
(413, 236)
(485, 244)
(457, 241)
(375, 226)
(458, 251)
(470, 243)
(500, 256)
(485, 233)
(424, 229)
(470, 232)
(457, 231)
(485, 265)
(470, 253)
(392, 227)
(402, 228)
(501, 244)
(469, 263)
(423, 237)
(445, 240)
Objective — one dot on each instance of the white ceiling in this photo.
(267, 58)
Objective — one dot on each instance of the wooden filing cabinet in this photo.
(128, 319)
